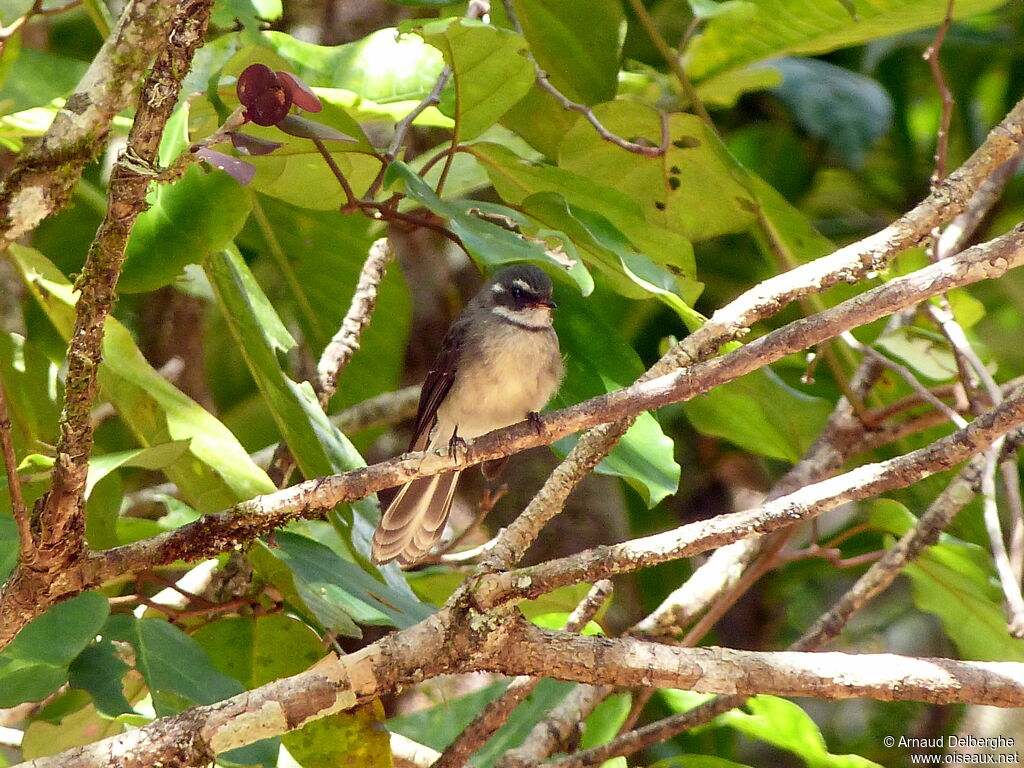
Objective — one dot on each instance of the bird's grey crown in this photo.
(519, 287)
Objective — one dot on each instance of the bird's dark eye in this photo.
(518, 293)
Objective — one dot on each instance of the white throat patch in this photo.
(532, 317)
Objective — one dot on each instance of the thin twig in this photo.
(343, 345)
(908, 376)
(1014, 603)
(931, 55)
(352, 203)
(672, 59)
(1009, 578)
(583, 109)
(957, 235)
(26, 546)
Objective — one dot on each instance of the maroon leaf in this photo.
(253, 145)
(302, 95)
(239, 170)
(309, 129)
(264, 97)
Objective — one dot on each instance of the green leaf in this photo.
(317, 445)
(541, 121)
(488, 243)
(319, 257)
(517, 179)
(761, 29)
(846, 110)
(956, 580)
(598, 360)
(603, 724)
(154, 457)
(85, 726)
(197, 215)
(249, 649)
(490, 68)
(725, 90)
(8, 546)
(581, 59)
(355, 737)
(31, 386)
(322, 573)
(217, 471)
(99, 670)
(761, 413)
(385, 67)
(632, 273)
(314, 608)
(924, 351)
(14, 9)
(697, 761)
(37, 77)
(785, 725)
(36, 662)
(248, 13)
(180, 675)
(788, 227)
(696, 189)
(175, 667)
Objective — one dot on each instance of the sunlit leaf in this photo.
(248, 648)
(767, 28)
(696, 189)
(785, 725)
(199, 214)
(216, 472)
(490, 69)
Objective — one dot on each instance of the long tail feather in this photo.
(415, 519)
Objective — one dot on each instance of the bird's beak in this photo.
(548, 303)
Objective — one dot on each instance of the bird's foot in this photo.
(457, 447)
(535, 421)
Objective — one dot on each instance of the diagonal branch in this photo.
(345, 342)
(874, 581)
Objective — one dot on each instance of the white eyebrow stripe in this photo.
(498, 288)
(519, 283)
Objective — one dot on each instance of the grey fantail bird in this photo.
(499, 363)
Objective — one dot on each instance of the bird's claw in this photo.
(457, 447)
(535, 421)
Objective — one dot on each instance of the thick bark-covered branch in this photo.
(453, 639)
(43, 178)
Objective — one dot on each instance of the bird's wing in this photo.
(437, 385)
